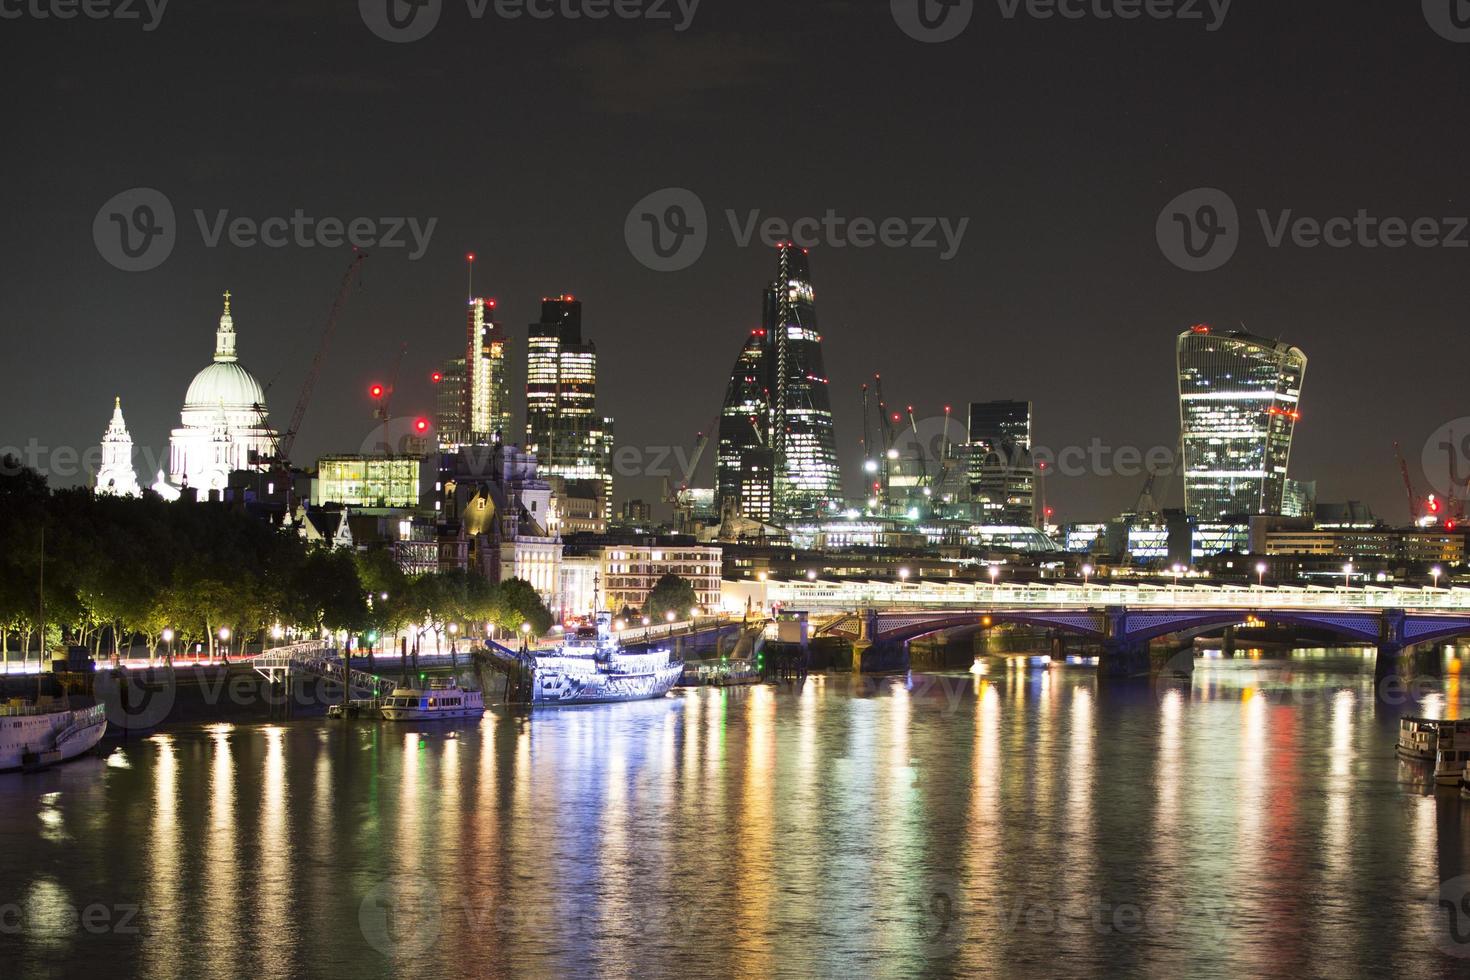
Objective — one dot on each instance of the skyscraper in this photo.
(450, 403)
(777, 416)
(743, 471)
(1001, 468)
(803, 443)
(1239, 402)
(564, 430)
(486, 376)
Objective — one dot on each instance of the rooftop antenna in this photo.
(470, 261)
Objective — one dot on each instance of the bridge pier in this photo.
(1124, 658)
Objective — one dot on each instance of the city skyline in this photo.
(1059, 287)
(509, 376)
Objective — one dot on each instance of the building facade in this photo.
(1001, 469)
(450, 403)
(486, 376)
(115, 473)
(1239, 403)
(777, 414)
(373, 482)
(564, 430)
(224, 425)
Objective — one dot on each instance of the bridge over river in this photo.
(882, 616)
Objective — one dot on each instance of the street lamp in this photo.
(224, 638)
(646, 620)
(1347, 575)
(1436, 571)
(1261, 574)
(694, 614)
(525, 636)
(1176, 570)
(168, 638)
(994, 574)
(1086, 574)
(669, 616)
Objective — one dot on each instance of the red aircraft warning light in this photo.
(421, 426)
(437, 377)
(376, 391)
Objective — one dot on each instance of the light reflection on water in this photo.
(1028, 821)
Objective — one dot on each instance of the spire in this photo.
(224, 338)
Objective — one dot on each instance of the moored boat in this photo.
(1418, 738)
(444, 700)
(36, 736)
(591, 667)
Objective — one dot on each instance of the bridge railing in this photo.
(835, 596)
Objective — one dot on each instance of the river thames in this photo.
(1032, 821)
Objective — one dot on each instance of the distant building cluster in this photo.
(941, 497)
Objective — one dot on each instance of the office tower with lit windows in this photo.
(449, 403)
(563, 428)
(1001, 469)
(1239, 403)
(486, 376)
(803, 442)
(743, 469)
(776, 423)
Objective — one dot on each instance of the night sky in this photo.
(1061, 141)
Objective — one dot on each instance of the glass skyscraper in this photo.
(563, 429)
(1002, 472)
(1239, 403)
(487, 376)
(776, 423)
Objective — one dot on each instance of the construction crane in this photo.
(682, 499)
(288, 437)
(1408, 485)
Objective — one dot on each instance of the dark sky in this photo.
(1060, 141)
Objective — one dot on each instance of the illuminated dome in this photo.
(224, 426)
(224, 383)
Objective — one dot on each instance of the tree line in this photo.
(107, 572)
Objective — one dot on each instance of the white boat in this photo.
(1450, 765)
(36, 736)
(1418, 738)
(443, 700)
(590, 667)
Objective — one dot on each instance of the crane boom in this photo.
(1408, 485)
(288, 438)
